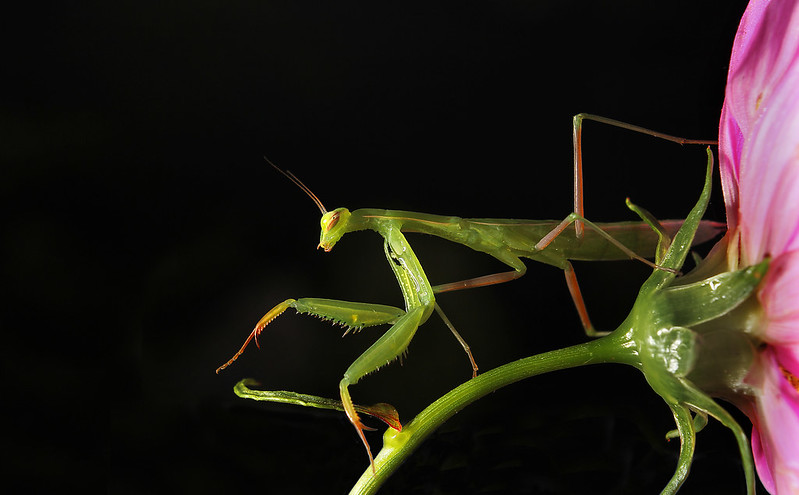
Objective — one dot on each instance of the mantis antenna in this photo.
(293, 178)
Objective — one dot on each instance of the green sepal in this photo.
(664, 241)
(700, 421)
(681, 243)
(708, 299)
(665, 309)
(687, 434)
(696, 257)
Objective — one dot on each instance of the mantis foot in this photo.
(262, 323)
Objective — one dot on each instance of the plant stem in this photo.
(397, 446)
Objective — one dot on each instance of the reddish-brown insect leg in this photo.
(579, 302)
(263, 322)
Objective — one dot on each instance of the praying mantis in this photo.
(507, 240)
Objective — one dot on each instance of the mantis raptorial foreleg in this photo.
(390, 346)
(419, 304)
(351, 315)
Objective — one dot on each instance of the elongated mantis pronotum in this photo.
(506, 240)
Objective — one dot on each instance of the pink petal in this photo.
(759, 162)
(766, 47)
(730, 144)
(734, 112)
(769, 174)
(762, 454)
(774, 439)
(780, 301)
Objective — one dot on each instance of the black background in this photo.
(144, 234)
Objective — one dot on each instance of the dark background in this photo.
(144, 234)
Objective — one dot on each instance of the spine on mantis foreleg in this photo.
(389, 347)
(351, 315)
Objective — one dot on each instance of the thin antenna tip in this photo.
(299, 184)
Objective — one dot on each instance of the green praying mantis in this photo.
(507, 240)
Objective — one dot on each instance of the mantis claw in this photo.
(352, 415)
(262, 323)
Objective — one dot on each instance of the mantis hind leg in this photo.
(579, 302)
(577, 133)
(568, 269)
(574, 218)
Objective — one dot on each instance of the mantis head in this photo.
(334, 225)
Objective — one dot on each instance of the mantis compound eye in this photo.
(332, 221)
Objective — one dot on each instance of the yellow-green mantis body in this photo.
(506, 240)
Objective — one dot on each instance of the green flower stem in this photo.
(397, 446)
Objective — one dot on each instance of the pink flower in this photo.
(759, 160)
